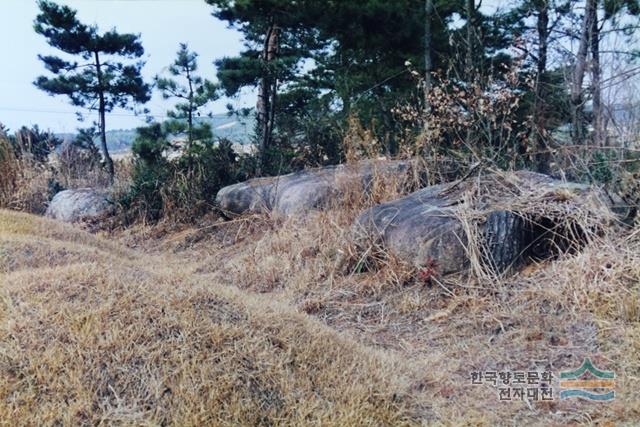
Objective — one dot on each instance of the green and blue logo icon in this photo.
(588, 382)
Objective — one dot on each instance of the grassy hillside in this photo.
(547, 318)
(91, 332)
(257, 322)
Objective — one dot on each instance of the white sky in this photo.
(163, 24)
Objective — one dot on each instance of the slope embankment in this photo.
(262, 321)
(92, 333)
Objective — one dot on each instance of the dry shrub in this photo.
(563, 220)
(490, 121)
(24, 182)
(123, 175)
(466, 123)
(10, 168)
(78, 167)
(359, 143)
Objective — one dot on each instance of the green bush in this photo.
(180, 188)
(601, 167)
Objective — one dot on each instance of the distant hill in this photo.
(236, 129)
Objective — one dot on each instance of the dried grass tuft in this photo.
(565, 218)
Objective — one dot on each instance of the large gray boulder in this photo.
(497, 221)
(310, 189)
(78, 205)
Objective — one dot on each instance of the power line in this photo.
(141, 115)
(32, 110)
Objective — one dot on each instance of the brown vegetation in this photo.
(435, 331)
(263, 320)
(93, 333)
(547, 318)
(28, 184)
(23, 181)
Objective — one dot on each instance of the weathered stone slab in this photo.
(510, 218)
(299, 192)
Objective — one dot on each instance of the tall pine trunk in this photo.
(190, 121)
(469, 68)
(598, 114)
(265, 107)
(102, 113)
(577, 99)
(191, 108)
(272, 55)
(543, 156)
(428, 62)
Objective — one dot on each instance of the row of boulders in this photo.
(499, 220)
(287, 194)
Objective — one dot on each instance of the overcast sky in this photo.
(163, 24)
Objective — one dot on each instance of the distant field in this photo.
(237, 130)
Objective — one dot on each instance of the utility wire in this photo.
(30, 110)
(141, 115)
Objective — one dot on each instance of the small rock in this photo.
(77, 205)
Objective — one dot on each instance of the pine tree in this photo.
(612, 9)
(588, 59)
(547, 103)
(428, 54)
(193, 94)
(279, 35)
(356, 51)
(102, 80)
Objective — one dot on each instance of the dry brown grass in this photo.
(272, 321)
(24, 183)
(548, 317)
(9, 167)
(122, 338)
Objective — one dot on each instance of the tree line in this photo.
(439, 79)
